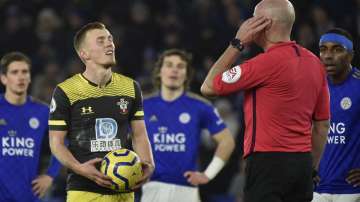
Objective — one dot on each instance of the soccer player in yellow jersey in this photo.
(95, 111)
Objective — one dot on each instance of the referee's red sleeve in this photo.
(322, 110)
(217, 84)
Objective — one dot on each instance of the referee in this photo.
(286, 105)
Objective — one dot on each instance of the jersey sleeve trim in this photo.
(139, 113)
(57, 123)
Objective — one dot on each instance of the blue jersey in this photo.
(342, 151)
(22, 130)
(174, 129)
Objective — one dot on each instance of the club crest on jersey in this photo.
(232, 75)
(345, 103)
(123, 104)
(34, 122)
(3, 122)
(184, 118)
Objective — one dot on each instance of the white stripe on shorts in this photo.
(323, 197)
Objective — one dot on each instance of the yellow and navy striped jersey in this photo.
(97, 120)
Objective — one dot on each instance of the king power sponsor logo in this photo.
(165, 141)
(337, 133)
(17, 146)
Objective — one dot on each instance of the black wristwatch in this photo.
(236, 43)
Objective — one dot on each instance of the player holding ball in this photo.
(95, 110)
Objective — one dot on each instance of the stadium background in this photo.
(44, 29)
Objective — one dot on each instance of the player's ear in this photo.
(3, 79)
(84, 55)
(350, 57)
(158, 73)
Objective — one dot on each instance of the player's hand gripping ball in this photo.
(124, 167)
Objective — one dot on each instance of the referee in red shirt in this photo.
(286, 105)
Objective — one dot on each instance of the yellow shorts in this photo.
(84, 196)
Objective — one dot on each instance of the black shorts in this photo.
(278, 177)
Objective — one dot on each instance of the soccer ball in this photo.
(124, 167)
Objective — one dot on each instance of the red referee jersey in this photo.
(285, 89)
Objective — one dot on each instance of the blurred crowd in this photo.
(44, 30)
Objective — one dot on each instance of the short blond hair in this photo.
(80, 35)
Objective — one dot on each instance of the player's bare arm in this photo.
(319, 135)
(142, 147)
(225, 146)
(246, 34)
(86, 169)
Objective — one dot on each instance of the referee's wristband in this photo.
(214, 167)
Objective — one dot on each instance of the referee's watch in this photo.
(236, 43)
